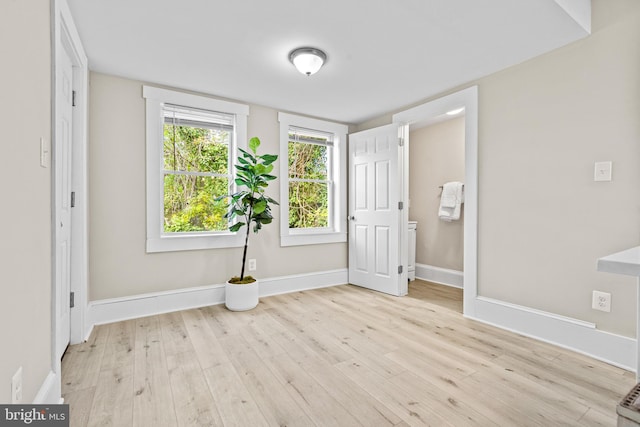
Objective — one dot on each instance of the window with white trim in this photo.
(312, 181)
(192, 142)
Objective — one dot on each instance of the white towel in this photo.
(450, 201)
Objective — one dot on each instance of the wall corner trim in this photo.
(572, 334)
(132, 307)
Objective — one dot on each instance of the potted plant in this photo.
(249, 205)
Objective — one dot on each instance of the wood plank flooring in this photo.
(340, 356)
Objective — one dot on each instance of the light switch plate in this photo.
(602, 171)
(44, 153)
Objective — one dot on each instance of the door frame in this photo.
(467, 98)
(66, 40)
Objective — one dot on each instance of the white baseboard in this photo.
(565, 332)
(50, 392)
(125, 308)
(303, 282)
(573, 334)
(117, 309)
(443, 276)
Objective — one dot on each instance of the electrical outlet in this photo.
(16, 387)
(601, 301)
(252, 264)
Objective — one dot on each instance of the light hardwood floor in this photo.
(340, 356)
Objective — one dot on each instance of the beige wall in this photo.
(119, 265)
(543, 222)
(436, 157)
(25, 247)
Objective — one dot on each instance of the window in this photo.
(191, 144)
(196, 169)
(310, 186)
(312, 181)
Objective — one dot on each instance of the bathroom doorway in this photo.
(436, 169)
(458, 272)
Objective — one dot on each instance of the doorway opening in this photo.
(430, 113)
(436, 200)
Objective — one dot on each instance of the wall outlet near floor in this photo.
(601, 301)
(252, 264)
(16, 387)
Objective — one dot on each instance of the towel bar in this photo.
(441, 187)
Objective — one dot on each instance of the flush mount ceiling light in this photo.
(456, 111)
(307, 60)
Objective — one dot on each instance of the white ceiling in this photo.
(382, 54)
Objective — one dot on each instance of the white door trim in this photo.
(65, 39)
(467, 98)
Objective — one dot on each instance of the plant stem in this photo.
(246, 243)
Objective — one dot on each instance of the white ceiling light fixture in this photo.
(456, 111)
(308, 60)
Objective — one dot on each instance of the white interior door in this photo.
(374, 211)
(63, 203)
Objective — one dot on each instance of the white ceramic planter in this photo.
(241, 297)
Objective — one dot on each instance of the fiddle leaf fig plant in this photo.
(249, 205)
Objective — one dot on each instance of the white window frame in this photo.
(337, 230)
(157, 239)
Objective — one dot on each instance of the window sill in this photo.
(192, 243)
(300, 239)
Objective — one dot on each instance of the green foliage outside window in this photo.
(190, 200)
(308, 185)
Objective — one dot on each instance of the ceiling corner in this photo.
(579, 10)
